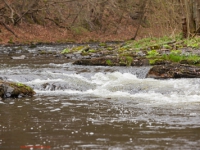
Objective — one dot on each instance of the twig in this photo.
(1, 22)
(12, 12)
(60, 26)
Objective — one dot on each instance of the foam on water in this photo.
(118, 85)
(104, 82)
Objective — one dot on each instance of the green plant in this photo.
(152, 43)
(167, 46)
(65, 51)
(193, 58)
(109, 62)
(175, 58)
(152, 61)
(179, 37)
(176, 52)
(193, 42)
(129, 60)
(152, 53)
(125, 60)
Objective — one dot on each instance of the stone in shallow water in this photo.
(174, 71)
(19, 57)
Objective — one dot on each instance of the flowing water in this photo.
(87, 107)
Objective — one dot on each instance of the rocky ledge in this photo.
(14, 90)
(174, 71)
(163, 70)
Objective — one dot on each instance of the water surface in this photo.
(85, 107)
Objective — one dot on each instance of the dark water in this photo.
(60, 123)
(84, 107)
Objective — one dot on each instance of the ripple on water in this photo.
(100, 108)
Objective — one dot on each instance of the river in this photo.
(96, 107)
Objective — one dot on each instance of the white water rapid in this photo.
(105, 82)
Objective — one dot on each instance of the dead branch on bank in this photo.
(7, 28)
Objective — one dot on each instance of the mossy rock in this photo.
(103, 44)
(189, 62)
(157, 61)
(173, 70)
(14, 90)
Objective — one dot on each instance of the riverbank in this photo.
(167, 57)
(165, 52)
(27, 34)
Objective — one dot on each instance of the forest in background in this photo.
(61, 21)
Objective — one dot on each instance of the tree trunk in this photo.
(192, 16)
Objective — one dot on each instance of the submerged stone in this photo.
(19, 57)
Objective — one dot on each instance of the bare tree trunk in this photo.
(143, 4)
(197, 16)
(192, 8)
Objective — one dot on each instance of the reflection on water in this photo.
(80, 107)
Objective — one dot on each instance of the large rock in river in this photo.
(14, 90)
(174, 71)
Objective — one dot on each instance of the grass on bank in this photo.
(174, 56)
(154, 49)
(164, 43)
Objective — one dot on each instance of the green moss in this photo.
(21, 88)
(78, 48)
(92, 51)
(110, 48)
(81, 49)
(43, 52)
(103, 44)
(20, 85)
(121, 49)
